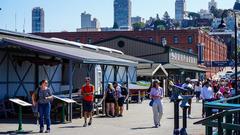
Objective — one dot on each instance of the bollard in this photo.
(184, 105)
(176, 98)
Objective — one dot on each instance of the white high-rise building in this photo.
(211, 4)
(87, 24)
(180, 10)
(137, 19)
(95, 23)
(85, 20)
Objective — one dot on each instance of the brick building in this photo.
(194, 41)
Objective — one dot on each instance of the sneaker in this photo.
(189, 116)
(85, 124)
(41, 130)
(47, 131)
(89, 123)
(120, 115)
(156, 126)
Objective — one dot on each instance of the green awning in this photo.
(174, 66)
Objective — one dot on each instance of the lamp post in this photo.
(223, 25)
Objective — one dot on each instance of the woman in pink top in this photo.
(156, 94)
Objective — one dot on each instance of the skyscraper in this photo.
(122, 13)
(85, 20)
(180, 9)
(236, 5)
(211, 4)
(37, 20)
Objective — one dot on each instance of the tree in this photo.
(115, 25)
(218, 12)
(193, 15)
(159, 24)
(166, 16)
(168, 21)
(138, 26)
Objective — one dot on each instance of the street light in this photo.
(223, 25)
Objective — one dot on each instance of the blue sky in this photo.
(65, 14)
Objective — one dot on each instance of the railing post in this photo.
(208, 129)
(228, 119)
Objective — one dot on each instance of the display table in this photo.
(20, 104)
(64, 101)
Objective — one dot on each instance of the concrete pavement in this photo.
(136, 121)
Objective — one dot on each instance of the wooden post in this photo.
(70, 72)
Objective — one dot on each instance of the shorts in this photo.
(87, 106)
(121, 101)
(110, 100)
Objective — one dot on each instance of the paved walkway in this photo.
(136, 121)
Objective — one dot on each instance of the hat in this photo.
(188, 79)
(156, 81)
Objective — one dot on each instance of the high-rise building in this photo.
(237, 5)
(37, 20)
(122, 13)
(86, 20)
(87, 24)
(180, 10)
(95, 23)
(137, 19)
(211, 4)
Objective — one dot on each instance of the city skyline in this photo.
(69, 14)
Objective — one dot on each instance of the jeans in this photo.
(44, 111)
(157, 111)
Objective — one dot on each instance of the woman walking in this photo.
(198, 88)
(43, 96)
(110, 100)
(156, 94)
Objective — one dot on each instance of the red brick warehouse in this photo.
(195, 41)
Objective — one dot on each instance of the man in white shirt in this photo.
(207, 95)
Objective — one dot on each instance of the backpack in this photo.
(124, 91)
(36, 94)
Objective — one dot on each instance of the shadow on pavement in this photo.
(180, 117)
(137, 128)
(15, 133)
(72, 127)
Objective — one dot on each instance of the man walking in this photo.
(207, 95)
(87, 91)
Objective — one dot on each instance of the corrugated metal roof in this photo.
(69, 52)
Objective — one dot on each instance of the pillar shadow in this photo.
(140, 128)
(72, 127)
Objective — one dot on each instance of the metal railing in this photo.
(222, 114)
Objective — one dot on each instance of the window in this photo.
(190, 50)
(175, 40)
(89, 40)
(121, 44)
(150, 39)
(190, 39)
(163, 41)
(78, 40)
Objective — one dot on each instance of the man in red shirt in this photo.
(87, 91)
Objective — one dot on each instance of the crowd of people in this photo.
(208, 90)
(115, 95)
